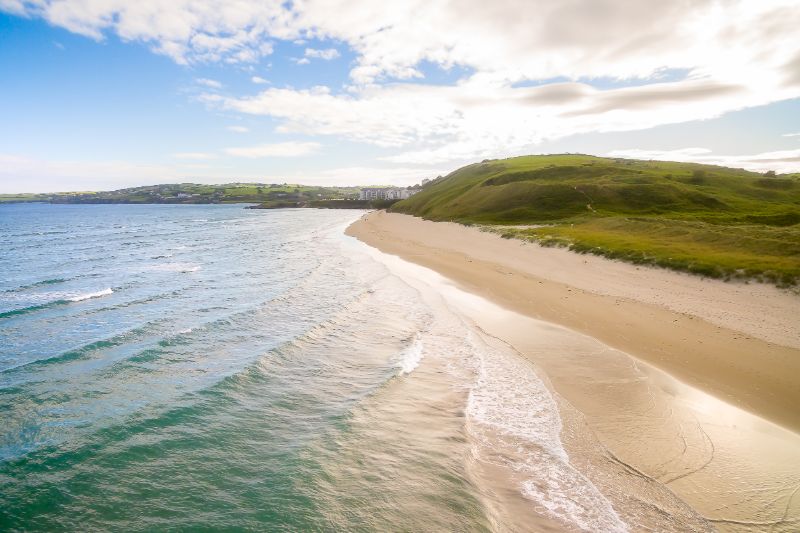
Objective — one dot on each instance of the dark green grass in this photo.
(714, 221)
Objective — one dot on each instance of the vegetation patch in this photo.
(713, 221)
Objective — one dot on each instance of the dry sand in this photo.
(740, 342)
(635, 426)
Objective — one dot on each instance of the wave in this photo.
(525, 426)
(90, 295)
(37, 233)
(411, 356)
(55, 303)
(31, 309)
(86, 350)
(42, 283)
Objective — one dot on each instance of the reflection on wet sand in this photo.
(640, 436)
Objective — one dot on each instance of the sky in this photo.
(105, 94)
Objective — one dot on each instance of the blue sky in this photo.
(102, 95)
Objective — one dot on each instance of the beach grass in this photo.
(743, 251)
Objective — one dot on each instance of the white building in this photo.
(386, 193)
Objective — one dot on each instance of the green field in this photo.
(709, 220)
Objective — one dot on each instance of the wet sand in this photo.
(629, 425)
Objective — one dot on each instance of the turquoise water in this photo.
(192, 368)
(211, 367)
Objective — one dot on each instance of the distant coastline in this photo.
(259, 195)
(284, 194)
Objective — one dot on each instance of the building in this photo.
(386, 193)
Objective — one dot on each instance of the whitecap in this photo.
(411, 356)
(173, 267)
(89, 295)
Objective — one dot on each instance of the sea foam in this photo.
(87, 296)
(522, 417)
(411, 356)
(174, 267)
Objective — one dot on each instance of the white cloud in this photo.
(194, 155)
(326, 54)
(207, 82)
(238, 129)
(792, 134)
(502, 40)
(437, 124)
(285, 149)
(301, 60)
(784, 161)
(733, 55)
(258, 80)
(15, 7)
(186, 31)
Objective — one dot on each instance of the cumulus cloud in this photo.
(504, 39)
(779, 161)
(15, 7)
(258, 80)
(285, 149)
(732, 55)
(238, 129)
(186, 31)
(326, 54)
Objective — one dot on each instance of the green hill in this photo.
(715, 221)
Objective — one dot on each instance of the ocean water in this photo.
(211, 367)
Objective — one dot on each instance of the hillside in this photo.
(710, 220)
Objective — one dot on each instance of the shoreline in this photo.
(743, 349)
(641, 434)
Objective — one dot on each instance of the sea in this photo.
(210, 367)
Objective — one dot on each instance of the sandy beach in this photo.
(667, 381)
(740, 342)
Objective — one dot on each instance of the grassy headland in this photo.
(715, 221)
